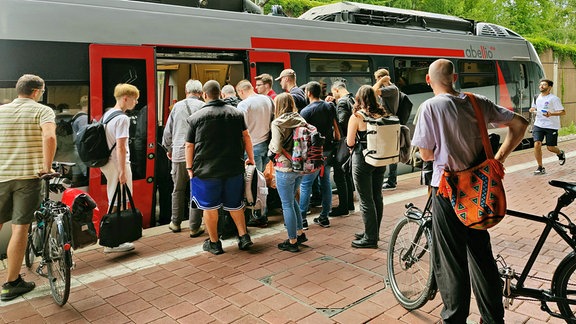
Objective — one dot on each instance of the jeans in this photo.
(463, 260)
(180, 201)
(325, 188)
(392, 174)
(261, 155)
(368, 180)
(287, 183)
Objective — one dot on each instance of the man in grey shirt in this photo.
(258, 113)
(447, 133)
(174, 140)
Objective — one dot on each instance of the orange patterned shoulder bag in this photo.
(477, 194)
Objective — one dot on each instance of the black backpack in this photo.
(91, 142)
(404, 108)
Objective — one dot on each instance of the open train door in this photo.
(136, 65)
(268, 62)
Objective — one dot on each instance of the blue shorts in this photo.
(209, 194)
(551, 135)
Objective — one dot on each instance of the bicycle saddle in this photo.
(568, 186)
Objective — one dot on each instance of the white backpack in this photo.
(382, 140)
(255, 190)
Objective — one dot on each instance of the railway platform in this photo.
(169, 279)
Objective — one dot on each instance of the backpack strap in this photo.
(78, 115)
(188, 107)
(109, 119)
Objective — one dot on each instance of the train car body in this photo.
(86, 47)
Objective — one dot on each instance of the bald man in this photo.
(215, 147)
(447, 133)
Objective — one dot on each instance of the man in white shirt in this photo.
(548, 109)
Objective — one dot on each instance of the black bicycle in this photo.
(49, 238)
(411, 277)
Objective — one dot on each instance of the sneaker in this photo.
(197, 232)
(322, 221)
(212, 247)
(388, 187)
(301, 239)
(305, 224)
(175, 228)
(561, 158)
(287, 246)
(16, 288)
(244, 242)
(541, 170)
(261, 222)
(124, 247)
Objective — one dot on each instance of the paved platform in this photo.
(169, 279)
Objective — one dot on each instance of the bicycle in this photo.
(415, 249)
(49, 238)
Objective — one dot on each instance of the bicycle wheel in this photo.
(564, 286)
(29, 255)
(58, 267)
(409, 266)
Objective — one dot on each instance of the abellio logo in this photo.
(481, 52)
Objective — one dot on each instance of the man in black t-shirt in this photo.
(215, 148)
(322, 115)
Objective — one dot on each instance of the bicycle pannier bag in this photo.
(477, 194)
(82, 207)
(382, 140)
(123, 225)
(92, 145)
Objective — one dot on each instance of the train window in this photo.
(478, 77)
(7, 95)
(355, 72)
(410, 75)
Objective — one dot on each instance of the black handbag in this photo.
(342, 152)
(123, 225)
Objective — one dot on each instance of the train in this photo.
(86, 47)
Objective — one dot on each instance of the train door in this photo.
(110, 65)
(268, 62)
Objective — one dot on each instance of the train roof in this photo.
(368, 14)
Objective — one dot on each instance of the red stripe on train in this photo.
(322, 46)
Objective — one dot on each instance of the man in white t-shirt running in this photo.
(548, 109)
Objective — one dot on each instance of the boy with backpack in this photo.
(118, 170)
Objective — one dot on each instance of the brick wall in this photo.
(563, 73)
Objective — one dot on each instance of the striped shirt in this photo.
(21, 149)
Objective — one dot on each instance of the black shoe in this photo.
(16, 288)
(540, 171)
(244, 242)
(287, 246)
(364, 244)
(260, 222)
(337, 212)
(388, 187)
(314, 202)
(213, 247)
(305, 224)
(301, 239)
(359, 235)
(561, 158)
(322, 221)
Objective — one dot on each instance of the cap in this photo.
(286, 72)
(83, 101)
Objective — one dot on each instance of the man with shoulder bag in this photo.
(444, 133)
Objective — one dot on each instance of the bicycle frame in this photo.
(552, 223)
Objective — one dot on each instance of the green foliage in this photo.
(567, 130)
(563, 51)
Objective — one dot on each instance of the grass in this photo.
(567, 130)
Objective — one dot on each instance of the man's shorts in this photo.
(551, 135)
(19, 199)
(209, 194)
